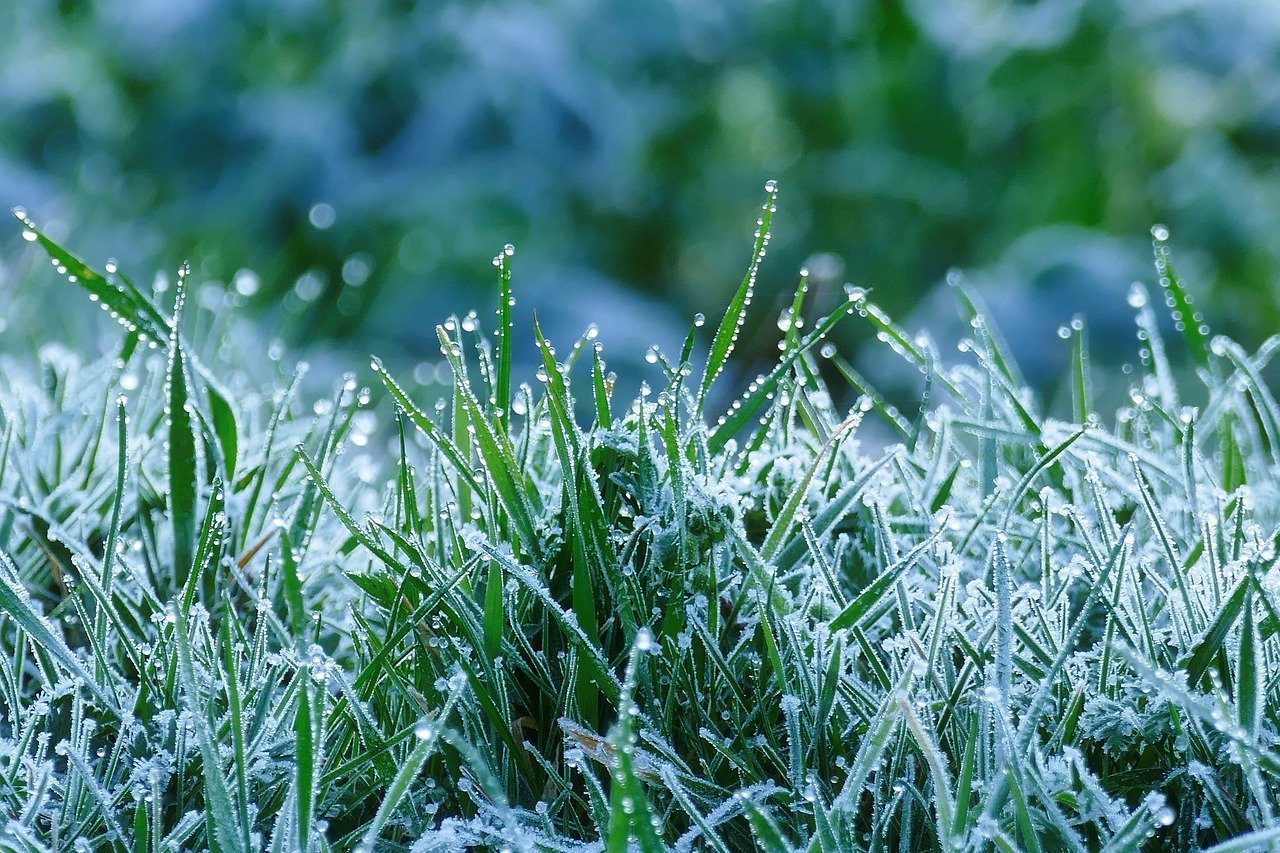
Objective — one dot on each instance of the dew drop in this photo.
(1137, 296)
(322, 216)
(246, 282)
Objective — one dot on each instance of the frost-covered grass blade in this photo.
(238, 613)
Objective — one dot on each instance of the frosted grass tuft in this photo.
(552, 619)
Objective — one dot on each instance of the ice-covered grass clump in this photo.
(569, 621)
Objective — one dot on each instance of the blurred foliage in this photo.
(365, 160)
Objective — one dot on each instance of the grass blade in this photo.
(735, 315)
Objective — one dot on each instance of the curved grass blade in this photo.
(735, 315)
(120, 298)
(744, 409)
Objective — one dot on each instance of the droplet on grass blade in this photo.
(1137, 295)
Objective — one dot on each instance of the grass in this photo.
(549, 619)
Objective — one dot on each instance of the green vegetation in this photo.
(352, 164)
(538, 617)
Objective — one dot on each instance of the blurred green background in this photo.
(351, 167)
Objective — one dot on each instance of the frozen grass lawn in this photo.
(232, 620)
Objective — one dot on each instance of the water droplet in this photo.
(322, 216)
(771, 186)
(308, 287)
(1137, 296)
(246, 282)
(355, 271)
(1160, 232)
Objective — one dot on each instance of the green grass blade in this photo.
(425, 746)
(15, 602)
(1185, 317)
(629, 810)
(942, 797)
(502, 383)
(765, 829)
(222, 829)
(181, 449)
(1207, 647)
(1081, 397)
(119, 298)
(495, 618)
(782, 524)
(1261, 839)
(875, 592)
(304, 776)
(735, 315)
(1251, 678)
(748, 406)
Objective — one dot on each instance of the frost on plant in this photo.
(535, 616)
